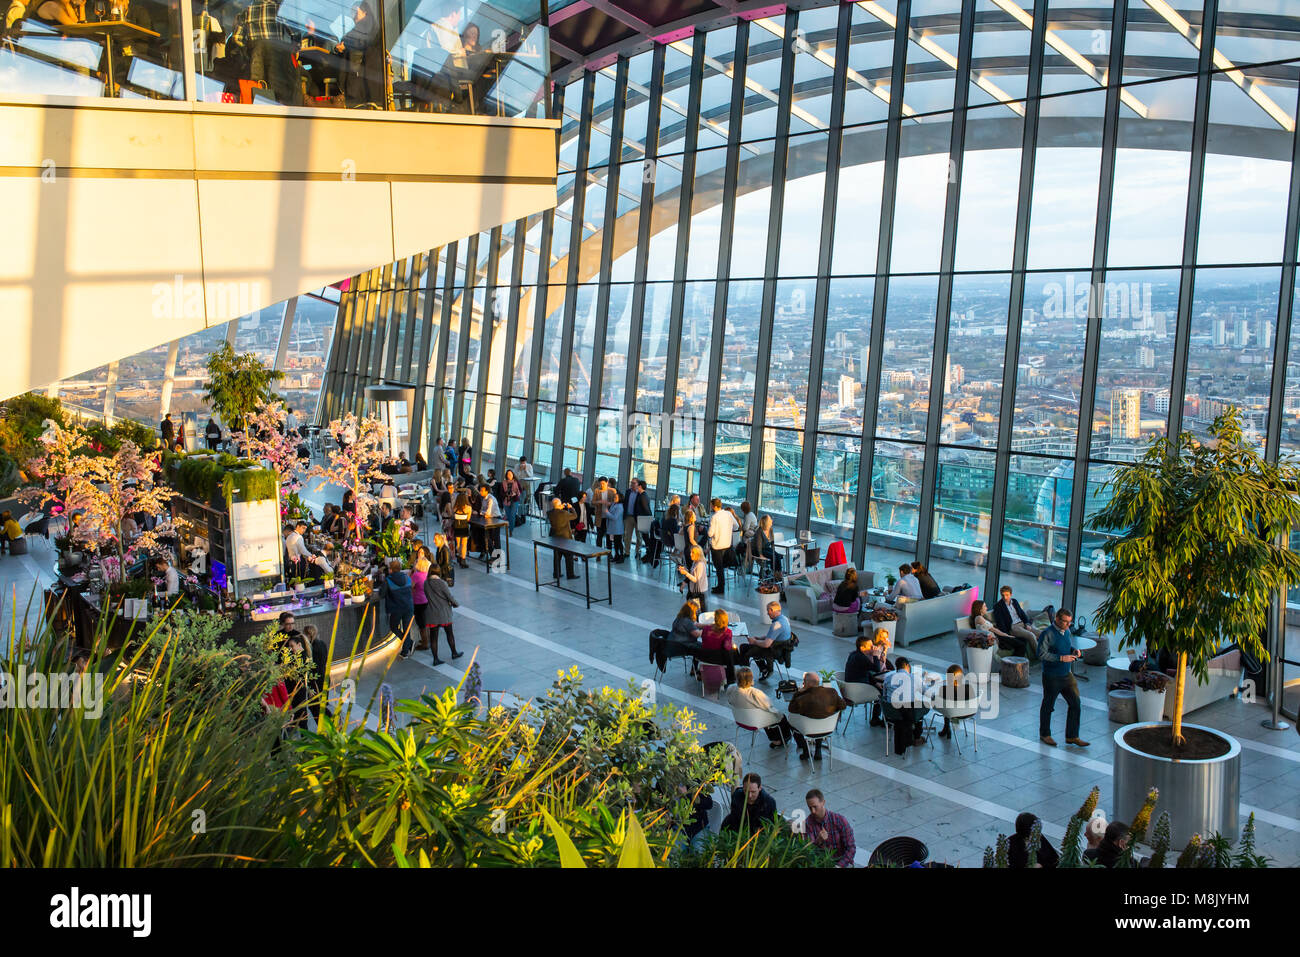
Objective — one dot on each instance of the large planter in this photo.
(1150, 705)
(763, 601)
(1201, 796)
(980, 659)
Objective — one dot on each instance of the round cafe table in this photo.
(1082, 643)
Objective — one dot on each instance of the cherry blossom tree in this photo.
(267, 440)
(106, 489)
(354, 464)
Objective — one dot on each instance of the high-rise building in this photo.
(1125, 414)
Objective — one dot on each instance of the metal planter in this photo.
(1202, 797)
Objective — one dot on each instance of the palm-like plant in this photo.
(1202, 547)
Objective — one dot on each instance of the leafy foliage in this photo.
(1203, 544)
(238, 383)
(772, 846)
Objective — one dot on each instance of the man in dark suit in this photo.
(562, 516)
(568, 488)
(751, 806)
(638, 506)
(1014, 620)
(814, 701)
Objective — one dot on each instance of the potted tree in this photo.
(1200, 549)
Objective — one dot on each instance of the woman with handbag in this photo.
(582, 520)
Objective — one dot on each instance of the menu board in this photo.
(255, 537)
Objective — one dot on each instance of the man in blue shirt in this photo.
(779, 630)
(1057, 652)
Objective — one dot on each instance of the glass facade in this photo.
(891, 273)
(442, 56)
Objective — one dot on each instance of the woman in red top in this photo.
(717, 635)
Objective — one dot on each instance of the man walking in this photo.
(1057, 652)
(722, 528)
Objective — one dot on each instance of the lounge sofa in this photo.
(1225, 672)
(931, 616)
(808, 594)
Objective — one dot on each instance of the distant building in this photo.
(1125, 414)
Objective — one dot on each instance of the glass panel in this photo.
(908, 354)
(696, 353)
(442, 56)
(787, 371)
(963, 497)
(706, 214)
(96, 48)
(977, 332)
(894, 507)
(654, 344)
(688, 447)
(762, 81)
(1244, 200)
(753, 205)
(1247, 31)
(523, 343)
(986, 222)
(304, 362)
(801, 218)
(1036, 529)
(999, 57)
(778, 487)
(1149, 204)
(1158, 39)
(814, 61)
(835, 482)
(871, 57)
(1049, 375)
(613, 380)
(1076, 48)
(736, 384)
(932, 55)
(584, 344)
(730, 463)
(845, 360)
(1230, 361)
(923, 177)
(672, 111)
(549, 380)
(1064, 212)
(857, 201)
(1134, 362)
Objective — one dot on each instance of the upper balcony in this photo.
(154, 188)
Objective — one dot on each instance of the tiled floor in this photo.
(956, 803)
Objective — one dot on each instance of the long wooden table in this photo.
(571, 547)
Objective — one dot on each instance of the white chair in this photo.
(855, 693)
(815, 730)
(753, 720)
(959, 712)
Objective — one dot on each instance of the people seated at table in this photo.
(847, 599)
(1018, 846)
(826, 829)
(752, 808)
(980, 620)
(762, 546)
(686, 626)
(860, 667)
(761, 648)
(906, 588)
(904, 699)
(65, 12)
(1013, 620)
(814, 701)
(744, 695)
(956, 689)
(716, 635)
(929, 587)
